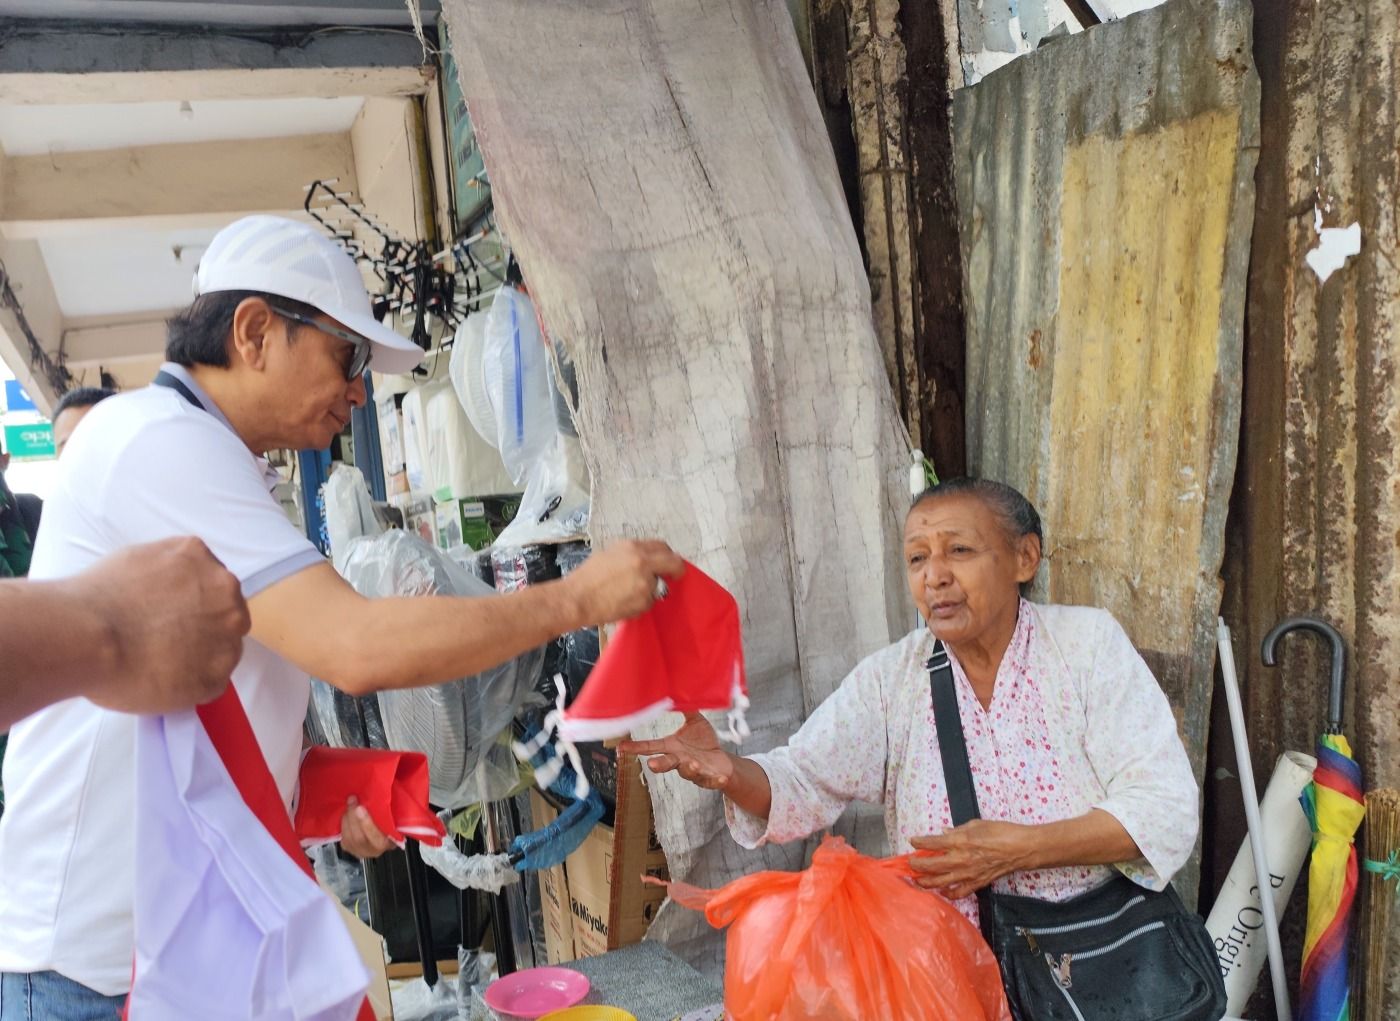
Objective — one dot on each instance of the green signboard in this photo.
(32, 442)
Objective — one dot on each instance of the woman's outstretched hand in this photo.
(693, 751)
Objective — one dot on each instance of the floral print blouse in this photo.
(1076, 722)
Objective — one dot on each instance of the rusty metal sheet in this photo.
(1106, 197)
(1316, 526)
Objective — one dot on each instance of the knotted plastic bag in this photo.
(849, 939)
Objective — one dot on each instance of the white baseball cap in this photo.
(293, 260)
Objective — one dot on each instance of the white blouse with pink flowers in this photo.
(1076, 722)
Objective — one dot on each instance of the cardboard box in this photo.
(419, 515)
(476, 522)
(464, 521)
(391, 449)
(596, 901)
(370, 946)
(554, 899)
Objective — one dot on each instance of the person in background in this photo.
(270, 355)
(16, 544)
(72, 408)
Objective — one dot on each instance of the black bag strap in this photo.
(957, 771)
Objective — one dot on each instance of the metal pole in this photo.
(422, 917)
(1263, 875)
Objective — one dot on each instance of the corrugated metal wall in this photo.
(1323, 430)
(991, 35)
(1315, 524)
(1105, 188)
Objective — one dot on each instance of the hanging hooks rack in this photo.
(414, 280)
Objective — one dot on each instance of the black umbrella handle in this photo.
(1339, 659)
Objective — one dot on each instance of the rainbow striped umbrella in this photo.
(1334, 806)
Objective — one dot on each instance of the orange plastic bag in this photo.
(849, 939)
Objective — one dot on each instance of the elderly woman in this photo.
(1073, 749)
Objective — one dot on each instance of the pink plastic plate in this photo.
(536, 991)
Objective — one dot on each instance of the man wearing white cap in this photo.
(270, 355)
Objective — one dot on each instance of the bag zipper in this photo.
(1139, 931)
(1055, 930)
(1063, 984)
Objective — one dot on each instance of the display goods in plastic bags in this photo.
(454, 724)
(849, 939)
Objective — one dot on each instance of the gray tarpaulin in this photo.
(664, 175)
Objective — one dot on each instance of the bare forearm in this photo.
(404, 642)
(749, 788)
(53, 645)
(1094, 838)
(317, 621)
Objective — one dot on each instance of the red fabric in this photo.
(232, 735)
(392, 786)
(688, 649)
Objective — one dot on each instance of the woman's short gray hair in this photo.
(1018, 515)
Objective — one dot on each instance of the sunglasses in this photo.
(359, 361)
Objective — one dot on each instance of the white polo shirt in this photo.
(142, 466)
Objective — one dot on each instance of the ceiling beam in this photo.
(230, 12)
(128, 375)
(69, 62)
(162, 185)
(36, 314)
(113, 344)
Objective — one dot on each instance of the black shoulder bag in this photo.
(1117, 953)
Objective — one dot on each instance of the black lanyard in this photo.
(168, 381)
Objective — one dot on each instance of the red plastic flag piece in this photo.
(685, 654)
(392, 786)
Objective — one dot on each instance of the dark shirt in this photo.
(31, 509)
(16, 547)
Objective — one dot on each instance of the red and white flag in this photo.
(229, 922)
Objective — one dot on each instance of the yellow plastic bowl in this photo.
(587, 1013)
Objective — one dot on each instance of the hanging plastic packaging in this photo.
(511, 391)
(849, 939)
(516, 371)
(464, 368)
(349, 511)
(459, 462)
(556, 503)
(557, 500)
(454, 724)
(488, 872)
(416, 442)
